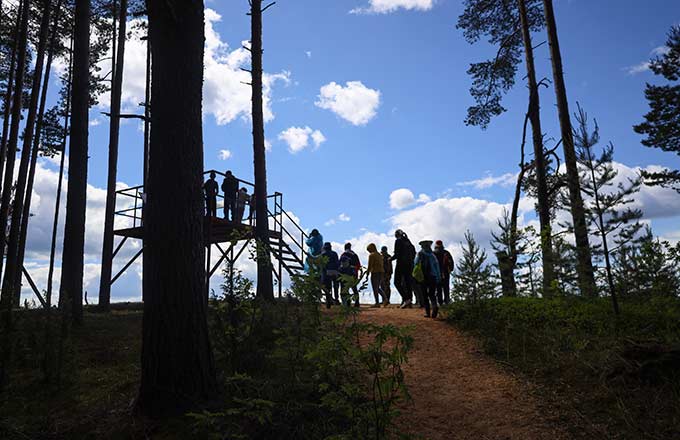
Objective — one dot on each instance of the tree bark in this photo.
(71, 287)
(114, 133)
(6, 299)
(265, 287)
(584, 264)
(534, 114)
(177, 363)
(12, 270)
(26, 215)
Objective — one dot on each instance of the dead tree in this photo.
(584, 266)
(114, 134)
(265, 288)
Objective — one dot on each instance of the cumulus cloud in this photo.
(505, 180)
(299, 138)
(354, 102)
(388, 6)
(224, 154)
(402, 198)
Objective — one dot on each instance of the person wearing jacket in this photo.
(431, 276)
(349, 270)
(210, 190)
(230, 190)
(404, 253)
(375, 272)
(387, 275)
(445, 261)
(315, 245)
(329, 274)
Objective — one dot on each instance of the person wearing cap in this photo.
(314, 247)
(375, 272)
(427, 267)
(350, 265)
(329, 274)
(230, 190)
(210, 190)
(445, 261)
(387, 275)
(404, 253)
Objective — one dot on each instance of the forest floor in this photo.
(458, 392)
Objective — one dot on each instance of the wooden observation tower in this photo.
(229, 239)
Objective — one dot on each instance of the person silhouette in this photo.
(210, 190)
(230, 190)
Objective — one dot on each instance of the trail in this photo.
(458, 392)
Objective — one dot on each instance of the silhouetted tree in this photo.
(71, 286)
(662, 123)
(177, 365)
(265, 287)
(114, 134)
(606, 204)
(584, 266)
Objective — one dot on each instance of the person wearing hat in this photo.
(375, 272)
(404, 253)
(210, 190)
(426, 271)
(445, 261)
(387, 275)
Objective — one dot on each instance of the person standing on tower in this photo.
(230, 189)
(210, 190)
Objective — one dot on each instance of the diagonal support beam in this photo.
(129, 263)
(33, 286)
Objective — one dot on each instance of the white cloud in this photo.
(340, 218)
(402, 198)
(308, 53)
(388, 6)
(224, 154)
(344, 217)
(354, 102)
(644, 66)
(505, 180)
(298, 138)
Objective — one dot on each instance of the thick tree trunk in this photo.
(534, 114)
(265, 287)
(12, 270)
(114, 133)
(71, 288)
(584, 264)
(26, 215)
(6, 299)
(177, 363)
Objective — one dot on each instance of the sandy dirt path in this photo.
(460, 393)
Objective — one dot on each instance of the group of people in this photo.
(235, 199)
(425, 274)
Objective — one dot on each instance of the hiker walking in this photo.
(230, 190)
(329, 275)
(387, 275)
(210, 189)
(315, 245)
(426, 273)
(375, 271)
(445, 261)
(404, 253)
(349, 269)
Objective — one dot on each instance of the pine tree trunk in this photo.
(584, 264)
(6, 299)
(114, 133)
(26, 215)
(542, 196)
(71, 288)
(177, 363)
(265, 287)
(12, 270)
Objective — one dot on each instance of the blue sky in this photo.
(415, 138)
